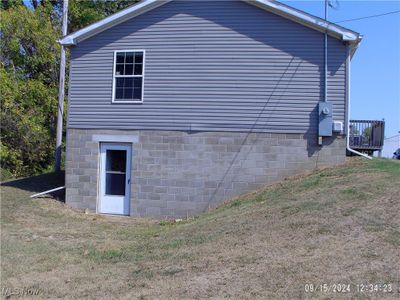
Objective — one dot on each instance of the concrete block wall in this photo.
(176, 174)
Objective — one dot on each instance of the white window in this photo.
(128, 76)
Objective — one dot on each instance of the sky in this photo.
(375, 67)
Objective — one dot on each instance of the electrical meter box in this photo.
(325, 119)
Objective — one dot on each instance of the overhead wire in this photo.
(368, 17)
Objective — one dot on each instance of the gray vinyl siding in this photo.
(210, 66)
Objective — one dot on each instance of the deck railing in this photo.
(367, 134)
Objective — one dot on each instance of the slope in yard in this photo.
(335, 226)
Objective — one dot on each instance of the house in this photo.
(177, 106)
(390, 146)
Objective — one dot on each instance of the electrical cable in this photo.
(368, 17)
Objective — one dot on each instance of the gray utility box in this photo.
(325, 119)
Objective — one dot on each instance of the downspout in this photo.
(326, 56)
(47, 192)
(348, 105)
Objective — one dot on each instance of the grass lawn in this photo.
(335, 226)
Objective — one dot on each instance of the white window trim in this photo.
(133, 76)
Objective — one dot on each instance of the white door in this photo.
(115, 178)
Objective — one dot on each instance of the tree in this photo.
(29, 65)
(84, 13)
(29, 43)
(367, 133)
(27, 110)
(7, 4)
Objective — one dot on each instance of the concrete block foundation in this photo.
(177, 174)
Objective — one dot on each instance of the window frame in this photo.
(114, 88)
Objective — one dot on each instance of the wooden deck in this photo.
(367, 135)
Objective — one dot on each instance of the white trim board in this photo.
(110, 21)
(105, 138)
(272, 6)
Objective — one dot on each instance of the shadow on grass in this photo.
(40, 183)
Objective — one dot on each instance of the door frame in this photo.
(103, 147)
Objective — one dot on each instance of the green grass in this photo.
(393, 237)
(385, 165)
(108, 255)
(335, 225)
(5, 175)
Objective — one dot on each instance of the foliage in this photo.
(367, 133)
(29, 43)
(28, 84)
(29, 67)
(27, 118)
(83, 13)
(6, 4)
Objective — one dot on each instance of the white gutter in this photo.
(307, 19)
(112, 20)
(273, 6)
(348, 107)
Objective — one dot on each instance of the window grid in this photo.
(128, 76)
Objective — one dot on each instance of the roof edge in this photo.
(110, 21)
(283, 10)
(308, 20)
